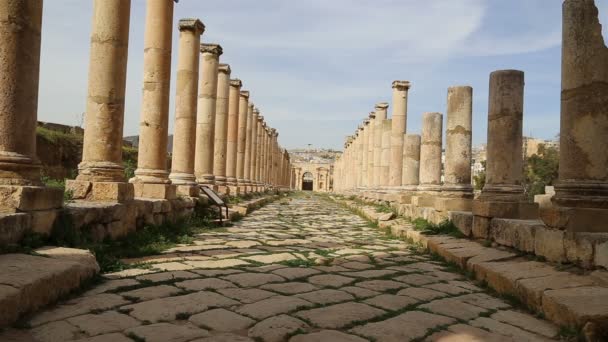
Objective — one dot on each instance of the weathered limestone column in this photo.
(385, 157)
(241, 147)
(20, 186)
(503, 194)
(232, 137)
(221, 128)
(411, 162)
(258, 150)
(248, 147)
(184, 136)
(380, 116)
(457, 191)
(264, 156)
(252, 147)
(399, 117)
(370, 150)
(364, 153)
(205, 116)
(151, 177)
(101, 172)
(581, 193)
(430, 160)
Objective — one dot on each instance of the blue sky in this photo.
(316, 68)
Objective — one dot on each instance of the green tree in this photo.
(541, 169)
(480, 179)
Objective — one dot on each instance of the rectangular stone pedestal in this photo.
(15, 198)
(484, 211)
(590, 220)
(453, 204)
(100, 191)
(156, 191)
(233, 190)
(423, 201)
(188, 190)
(223, 190)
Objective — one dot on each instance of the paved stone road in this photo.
(297, 270)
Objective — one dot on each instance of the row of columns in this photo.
(220, 139)
(581, 199)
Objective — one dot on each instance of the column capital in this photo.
(245, 94)
(401, 85)
(260, 117)
(381, 105)
(366, 122)
(214, 49)
(225, 68)
(257, 112)
(191, 24)
(235, 82)
(252, 106)
(372, 115)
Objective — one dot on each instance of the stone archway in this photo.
(307, 181)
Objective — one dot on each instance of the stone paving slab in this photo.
(348, 282)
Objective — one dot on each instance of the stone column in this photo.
(184, 136)
(205, 116)
(151, 177)
(380, 116)
(457, 192)
(581, 192)
(221, 128)
(385, 157)
(241, 147)
(411, 168)
(246, 161)
(430, 160)
(399, 117)
(232, 137)
(364, 153)
(258, 150)
(20, 186)
(503, 194)
(370, 149)
(254, 143)
(101, 173)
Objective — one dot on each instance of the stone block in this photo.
(79, 189)
(514, 210)
(404, 198)
(187, 190)
(579, 248)
(423, 201)
(13, 226)
(112, 191)
(544, 201)
(601, 254)
(549, 243)
(32, 282)
(29, 198)
(155, 191)
(453, 204)
(42, 221)
(223, 190)
(463, 220)
(233, 190)
(481, 227)
(574, 307)
(592, 220)
(519, 234)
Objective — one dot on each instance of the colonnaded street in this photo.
(303, 268)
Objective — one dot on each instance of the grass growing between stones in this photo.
(150, 240)
(444, 228)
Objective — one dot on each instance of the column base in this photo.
(453, 204)
(572, 219)
(17, 198)
(223, 190)
(485, 210)
(423, 200)
(187, 190)
(233, 190)
(155, 190)
(100, 191)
